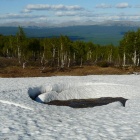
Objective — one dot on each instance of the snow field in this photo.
(67, 91)
(22, 118)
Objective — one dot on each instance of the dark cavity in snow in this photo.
(77, 103)
(84, 103)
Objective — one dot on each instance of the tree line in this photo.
(62, 52)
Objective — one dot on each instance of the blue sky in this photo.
(47, 12)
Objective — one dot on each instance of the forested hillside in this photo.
(63, 52)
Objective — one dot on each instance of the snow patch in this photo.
(15, 104)
(75, 90)
(133, 103)
(103, 122)
(116, 104)
(46, 88)
(47, 97)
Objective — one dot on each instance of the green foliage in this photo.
(61, 51)
(130, 46)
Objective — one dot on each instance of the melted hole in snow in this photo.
(71, 95)
(84, 103)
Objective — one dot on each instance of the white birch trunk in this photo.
(42, 59)
(24, 65)
(135, 58)
(53, 53)
(138, 62)
(87, 55)
(62, 57)
(7, 53)
(69, 62)
(19, 55)
(124, 59)
(58, 59)
(110, 58)
(90, 54)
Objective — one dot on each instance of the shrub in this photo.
(104, 64)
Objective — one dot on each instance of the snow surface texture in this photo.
(22, 118)
(77, 90)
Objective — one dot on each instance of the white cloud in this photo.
(119, 5)
(20, 16)
(26, 11)
(60, 7)
(69, 13)
(75, 13)
(123, 5)
(104, 6)
(118, 17)
(64, 13)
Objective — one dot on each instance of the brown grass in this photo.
(10, 68)
(17, 71)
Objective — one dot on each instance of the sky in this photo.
(47, 12)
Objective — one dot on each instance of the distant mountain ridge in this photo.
(99, 34)
(71, 23)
